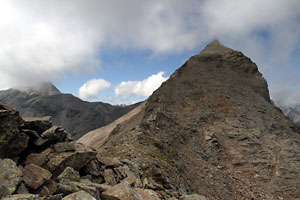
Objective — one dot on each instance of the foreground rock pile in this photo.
(40, 161)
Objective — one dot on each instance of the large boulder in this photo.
(58, 161)
(10, 177)
(12, 141)
(39, 124)
(52, 135)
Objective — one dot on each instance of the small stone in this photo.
(119, 192)
(67, 187)
(109, 177)
(146, 194)
(35, 176)
(195, 197)
(45, 192)
(10, 177)
(22, 189)
(64, 147)
(70, 174)
(22, 197)
(79, 196)
(108, 161)
(55, 197)
(51, 185)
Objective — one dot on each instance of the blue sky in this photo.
(120, 51)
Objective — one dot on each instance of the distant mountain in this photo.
(293, 113)
(210, 129)
(76, 116)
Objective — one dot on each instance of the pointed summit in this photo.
(215, 47)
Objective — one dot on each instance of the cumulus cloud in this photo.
(92, 88)
(142, 88)
(43, 40)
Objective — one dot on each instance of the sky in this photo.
(120, 51)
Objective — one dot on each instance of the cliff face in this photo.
(211, 129)
(76, 116)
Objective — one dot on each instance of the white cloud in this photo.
(142, 88)
(92, 88)
(43, 40)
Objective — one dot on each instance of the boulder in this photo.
(78, 159)
(12, 141)
(79, 196)
(52, 135)
(36, 158)
(70, 174)
(10, 177)
(35, 176)
(66, 186)
(39, 124)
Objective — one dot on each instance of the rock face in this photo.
(76, 116)
(211, 130)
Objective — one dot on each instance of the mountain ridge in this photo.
(74, 114)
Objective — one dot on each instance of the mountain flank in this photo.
(76, 116)
(210, 129)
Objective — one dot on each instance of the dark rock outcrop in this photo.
(76, 116)
(212, 130)
(50, 166)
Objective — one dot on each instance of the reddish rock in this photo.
(35, 176)
(35, 158)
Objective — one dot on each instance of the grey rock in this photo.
(70, 174)
(10, 177)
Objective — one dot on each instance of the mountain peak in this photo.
(215, 47)
(45, 89)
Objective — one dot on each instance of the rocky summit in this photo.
(209, 132)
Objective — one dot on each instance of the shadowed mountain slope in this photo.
(210, 129)
(76, 116)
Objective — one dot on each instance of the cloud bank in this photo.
(92, 88)
(142, 88)
(44, 40)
